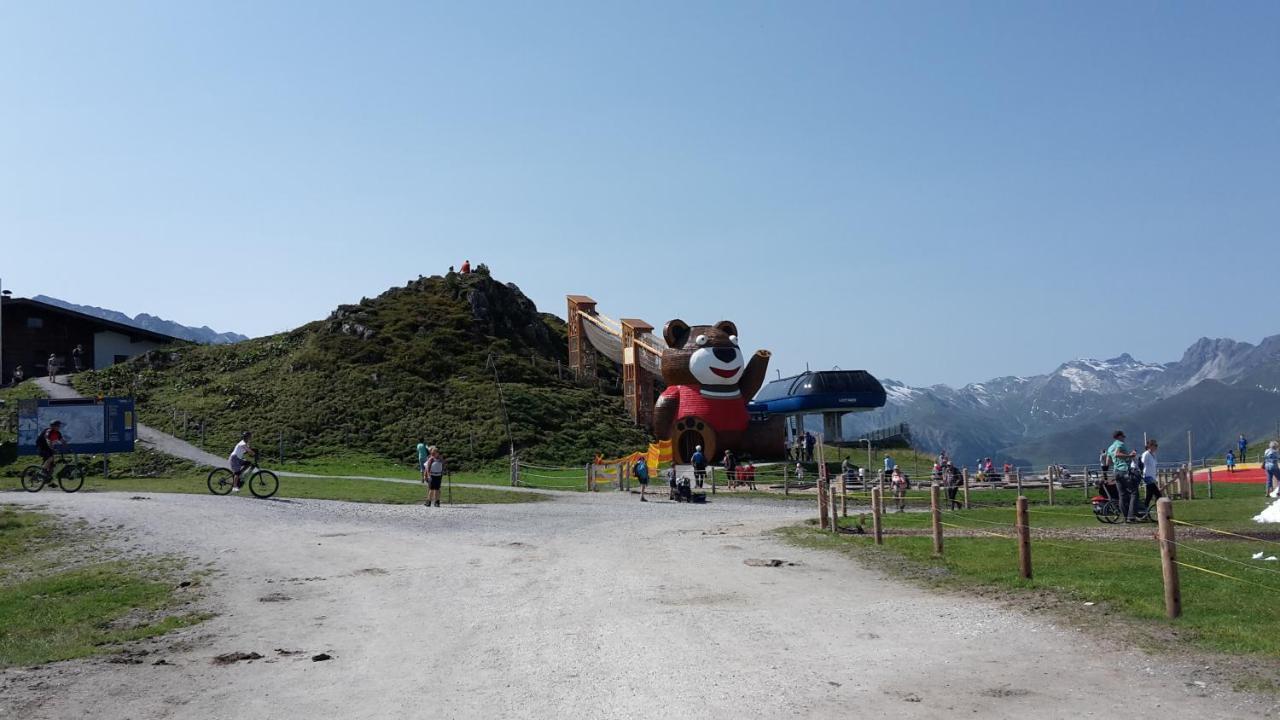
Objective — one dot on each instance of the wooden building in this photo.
(32, 331)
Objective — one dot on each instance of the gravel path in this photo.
(179, 448)
(590, 606)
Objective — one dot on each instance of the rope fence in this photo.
(1023, 534)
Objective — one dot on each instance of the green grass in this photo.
(367, 491)
(378, 374)
(1077, 560)
(56, 607)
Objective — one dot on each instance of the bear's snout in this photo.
(726, 355)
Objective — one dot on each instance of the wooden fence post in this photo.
(844, 495)
(877, 508)
(964, 473)
(936, 512)
(786, 487)
(587, 467)
(1024, 540)
(1209, 479)
(1169, 559)
(822, 505)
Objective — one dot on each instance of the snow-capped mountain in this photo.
(984, 419)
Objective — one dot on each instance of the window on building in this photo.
(35, 323)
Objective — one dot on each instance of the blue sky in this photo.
(936, 192)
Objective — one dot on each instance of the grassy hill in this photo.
(375, 375)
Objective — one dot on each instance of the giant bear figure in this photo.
(709, 383)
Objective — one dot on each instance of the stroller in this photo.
(681, 491)
(1107, 507)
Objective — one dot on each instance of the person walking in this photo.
(641, 473)
(954, 479)
(809, 442)
(52, 366)
(900, 485)
(1271, 464)
(699, 466)
(1244, 446)
(433, 476)
(730, 468)
(1121, 459)
(423, 452)
(1150, 478)
(76, 354)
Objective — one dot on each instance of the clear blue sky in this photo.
(888, 186)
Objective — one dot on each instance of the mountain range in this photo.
(1218, 389)
(204, 335)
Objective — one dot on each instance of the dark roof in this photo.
(123, 329)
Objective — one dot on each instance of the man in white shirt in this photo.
(1149, 476)
(237, 460)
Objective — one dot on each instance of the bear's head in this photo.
(705, 355)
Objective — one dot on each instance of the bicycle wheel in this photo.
(72, 478)
(1110, 512)
(264, 484)
(32, 479)
(220, 480)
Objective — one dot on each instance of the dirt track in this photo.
(585, 607)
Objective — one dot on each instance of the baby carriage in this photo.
(1107, 507)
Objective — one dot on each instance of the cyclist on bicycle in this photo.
(237, 461)
(49, 437)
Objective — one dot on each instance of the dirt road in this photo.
(584, 607)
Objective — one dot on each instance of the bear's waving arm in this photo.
(664, 413)
(753, 376)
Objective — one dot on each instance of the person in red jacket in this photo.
(466, 267)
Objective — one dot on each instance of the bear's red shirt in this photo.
(720, 413)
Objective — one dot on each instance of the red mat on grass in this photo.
(1257, 475)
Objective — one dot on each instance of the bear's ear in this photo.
(676, 333)
(727, 327)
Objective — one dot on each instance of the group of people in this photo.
(1128, 470)
(801, 447)
(53, 365)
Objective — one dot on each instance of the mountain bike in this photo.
(262, 483)
(67, 474)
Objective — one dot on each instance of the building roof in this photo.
(131, 330)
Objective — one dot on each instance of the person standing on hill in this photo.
(1149, 474)
(1121, 458)
(466, 267)
(699, 466)
(1231, 462)
(423, 452)
(1271, 464)
(1243, 445)
(433, 475)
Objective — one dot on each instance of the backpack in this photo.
(42, 442)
